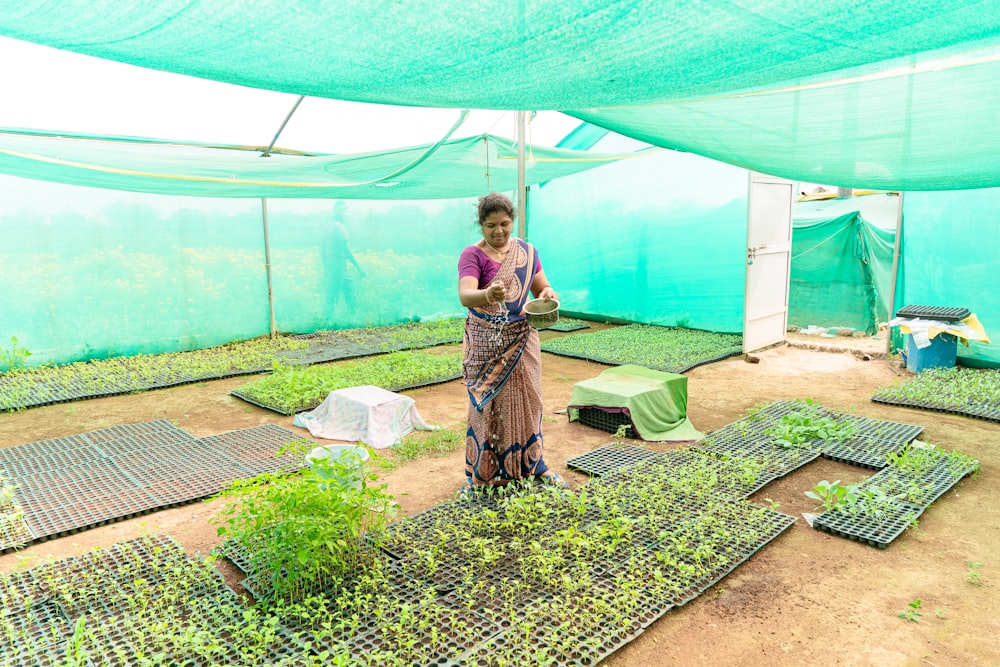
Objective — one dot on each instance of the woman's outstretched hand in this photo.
(548, 293)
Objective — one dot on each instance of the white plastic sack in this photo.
(368, 414)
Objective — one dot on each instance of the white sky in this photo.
(48, 89)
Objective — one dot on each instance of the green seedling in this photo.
(972, 576)
(803, 428)
(14, 358)
(913, 613)
(832, 495)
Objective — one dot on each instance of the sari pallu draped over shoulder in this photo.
(502, 369)
(491, 354)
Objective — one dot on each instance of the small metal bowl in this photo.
(541, 313)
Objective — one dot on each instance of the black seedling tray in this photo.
(864, 453)
(987, 412)
(64, 485)
(677, 367)
(779, 461)
(255, 449)
(606, 420)
(600, 461)
(16, 535)
(869, 530)
(880, 429)
(303, 407)
(936, 481)
(44, 625)
(566, 326)
(940, 313)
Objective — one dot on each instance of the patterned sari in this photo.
(502, 364)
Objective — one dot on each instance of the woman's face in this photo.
(496, 228)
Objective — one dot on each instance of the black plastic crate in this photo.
(603, 420)
(942, 313)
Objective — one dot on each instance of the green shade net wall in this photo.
(93, 273)
(660, 240)
(949, 249)
(841, 273)
(884, 94)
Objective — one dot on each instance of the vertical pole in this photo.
(522, 201)
(263, 212)
(895, 275)
(267, 265)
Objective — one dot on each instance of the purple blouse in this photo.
(474, 263)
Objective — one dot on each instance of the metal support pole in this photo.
(267, 265)
(263, 212)
(522, 200)
(267, 151)
(895, 275)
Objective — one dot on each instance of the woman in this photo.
(502, 360)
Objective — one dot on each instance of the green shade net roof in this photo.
(454, 168)
(910, 127)
(499, 54)
(886, 94)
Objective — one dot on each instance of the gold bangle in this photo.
(489, 300)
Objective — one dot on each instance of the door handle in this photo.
(752, 252)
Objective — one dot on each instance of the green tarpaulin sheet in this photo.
(655, 401)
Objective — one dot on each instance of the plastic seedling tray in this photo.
(987, 412)
(606, 420)
(606, 458)
(304, 406)
(866, 453)
(935, 482)
(940, 313)
(566, 326)
(876, 532)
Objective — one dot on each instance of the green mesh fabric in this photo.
(841, 271)
(949, 250)
(883, 94)
(912, 128)
(94, 273)
(660, 240)
(499, 54)
(455, 168)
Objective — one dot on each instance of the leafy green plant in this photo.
(972, 576)
(832, 495)
(14, 358)
(875, 502)
(305, 529)
(295, 388)
(914, 460)
(967, 391)
(802, 428)
(620, 434)
(913, 613)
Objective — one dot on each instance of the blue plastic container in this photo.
(941, 353)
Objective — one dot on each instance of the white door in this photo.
(769, 252)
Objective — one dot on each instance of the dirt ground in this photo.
(807, 598)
